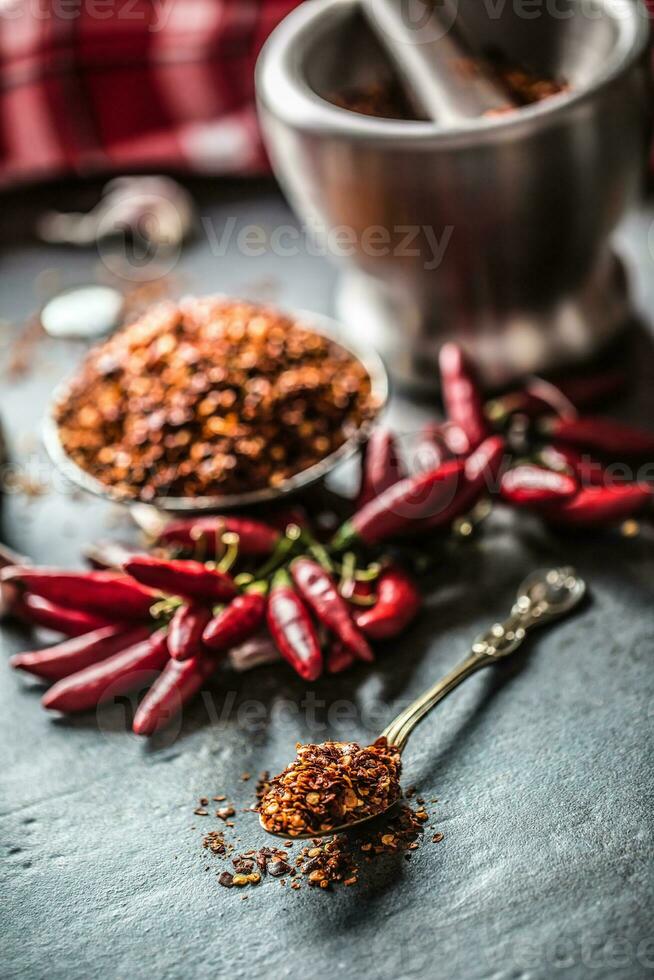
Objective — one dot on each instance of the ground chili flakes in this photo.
(262, 786)
(385, 99)
(330, 785)
(325, 861)
(335, 860)
(214, 841)
(268, 860)
(211, 397)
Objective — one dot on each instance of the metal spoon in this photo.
(543, 597)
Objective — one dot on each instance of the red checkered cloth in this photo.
(91, 86)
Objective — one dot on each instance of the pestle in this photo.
(449, 85)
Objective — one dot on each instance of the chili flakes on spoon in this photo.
(331, 785)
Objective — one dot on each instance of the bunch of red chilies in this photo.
(175, 616)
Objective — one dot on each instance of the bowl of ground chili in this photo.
(212, 402)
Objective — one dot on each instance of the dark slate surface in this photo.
(542, 769)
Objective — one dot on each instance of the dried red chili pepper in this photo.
(186, 629)
(600, 435)
(461, 395)
(455, 439)
(402, 506)
(281, 517)
(185, 578)
(75, 654)
(237, 621)
(431, 449)
(319, 591)
(382, 466)
(116, 675)
(538, 397)
(109, 555)
(528, 485)
(599, 506)
(177, 684)
(398, 603)
(291, 628)
(107, 593)
(589, 389)
(9, 594)
(563, 397)
(589, 472)
(256, 539)
(71, 622)
(358, 593)
(257, 650)
(479, 476)
(339, 658)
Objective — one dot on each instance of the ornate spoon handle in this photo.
(542, 598)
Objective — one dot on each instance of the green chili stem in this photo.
(200, 545)
(368, 574)
(348, 568)
(164, 609)
(362, 600)
(282, 551)
(318, 551)
(231, 540)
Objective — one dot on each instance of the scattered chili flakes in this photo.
(215, 842)
(261, 788)
(18, 482)
(331, 861)
(330, 785)
(279, 867)
(243, 865)
(225, 812)
(268, 860)
(209, 396)
(326, 861)
(23, 350)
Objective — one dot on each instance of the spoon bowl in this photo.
(336, 830)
